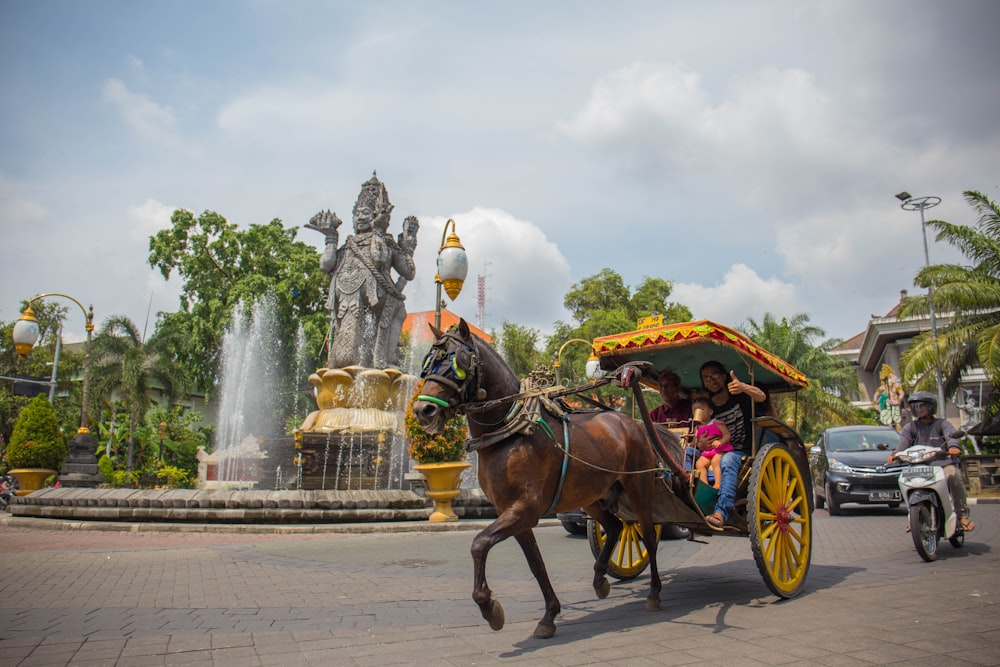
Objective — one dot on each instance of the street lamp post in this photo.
(452, 267)
(558, 362)
(910, 203)
(80, 468)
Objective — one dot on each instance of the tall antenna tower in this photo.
(481, 298)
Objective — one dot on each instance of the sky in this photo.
(748, 152)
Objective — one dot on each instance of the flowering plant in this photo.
(445, 447)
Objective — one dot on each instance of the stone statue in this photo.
(365, 301)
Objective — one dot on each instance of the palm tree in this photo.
(124, 363)
(831, 380)
(971, 293)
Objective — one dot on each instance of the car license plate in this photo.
(888, 496)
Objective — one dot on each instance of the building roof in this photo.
(416, 325)
(852, 344)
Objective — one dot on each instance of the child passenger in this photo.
(712, 441)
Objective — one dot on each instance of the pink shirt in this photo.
(711, 430)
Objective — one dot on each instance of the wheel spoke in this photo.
(629, 557)
(780, 521)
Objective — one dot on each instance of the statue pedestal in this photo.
(359, 400)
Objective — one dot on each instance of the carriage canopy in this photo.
(685, 346)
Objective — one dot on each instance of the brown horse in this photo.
(523, 469)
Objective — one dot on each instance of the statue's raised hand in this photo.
(408, 237)
(325, 222)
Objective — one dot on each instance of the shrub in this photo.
(37, 441)
(173, 477)
(107, 468)
(447, 446)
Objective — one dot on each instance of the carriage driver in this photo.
(676, 409)
(733, 404)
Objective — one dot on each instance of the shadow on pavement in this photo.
(685, 591)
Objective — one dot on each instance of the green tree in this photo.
(222, 266)
(972, 293)
(602, 305)
(124, 363)
(519, 348)
(825, 401)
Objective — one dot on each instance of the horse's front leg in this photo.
(507, 524)
(547, 626)
(612, 526)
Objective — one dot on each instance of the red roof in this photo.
(420, 333)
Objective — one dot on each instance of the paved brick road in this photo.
(88, 597)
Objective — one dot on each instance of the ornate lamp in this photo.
(25, 332)
(452, 267)
(592, 364)
(80, 468)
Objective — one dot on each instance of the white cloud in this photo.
(136, 67)
(525, 273)
(148, 218)
(154, 123)
(768, 130)
(19, 212)
(740, 295)
(626, 101)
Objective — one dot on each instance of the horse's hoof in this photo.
(545, 629)
(602, 589)
(496, 617)
(652, 604)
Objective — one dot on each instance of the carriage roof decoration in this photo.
(681, 347)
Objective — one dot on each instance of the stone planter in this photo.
(31, 479)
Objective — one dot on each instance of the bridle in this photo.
(456, 369)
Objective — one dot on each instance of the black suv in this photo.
(849, 466)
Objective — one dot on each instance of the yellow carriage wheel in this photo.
(629, 557)
(779, 520)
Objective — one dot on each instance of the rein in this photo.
(550, 392)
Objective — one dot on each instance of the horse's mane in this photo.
(497, 362)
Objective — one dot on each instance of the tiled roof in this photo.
(416, 324)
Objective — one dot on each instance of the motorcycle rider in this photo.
(926, 429)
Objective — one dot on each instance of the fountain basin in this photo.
(239, 507)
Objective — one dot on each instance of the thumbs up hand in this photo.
(735, 386)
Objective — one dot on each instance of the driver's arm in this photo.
(905, 438)
(952, 445)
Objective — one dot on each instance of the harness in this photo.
(525, 412)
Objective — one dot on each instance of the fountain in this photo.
(348, 460)
(354, 440)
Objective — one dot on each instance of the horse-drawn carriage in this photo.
(537, 457)
(774, 495)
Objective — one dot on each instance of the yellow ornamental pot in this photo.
(31, 479)
(442, 486)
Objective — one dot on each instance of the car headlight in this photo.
(837, 466)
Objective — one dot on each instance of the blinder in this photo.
(456, 369)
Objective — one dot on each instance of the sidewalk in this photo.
(141, 597)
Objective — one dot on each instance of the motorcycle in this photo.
(925, 491)
(8, 487)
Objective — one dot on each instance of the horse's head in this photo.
(451, 373)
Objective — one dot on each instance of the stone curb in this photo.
(259, 529)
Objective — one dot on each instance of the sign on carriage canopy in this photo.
(685, 346)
